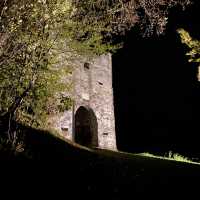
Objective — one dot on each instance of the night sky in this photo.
(156, 91)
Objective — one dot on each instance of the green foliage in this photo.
(171, 156)
(192, 44)
(65, 103)
(39, 40)
(115, 17)
(30, 66)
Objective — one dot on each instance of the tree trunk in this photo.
(8, 120)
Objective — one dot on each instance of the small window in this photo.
(105, 134)
(100, 83)
(86, 66)
(65, 130)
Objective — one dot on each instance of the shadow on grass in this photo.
(94, 173)
(37, 145)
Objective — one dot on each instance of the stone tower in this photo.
(91, 121)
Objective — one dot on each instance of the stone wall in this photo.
(92, 89)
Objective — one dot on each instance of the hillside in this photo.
(66, 167)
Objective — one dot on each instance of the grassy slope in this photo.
(94, 173)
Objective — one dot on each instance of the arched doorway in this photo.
(86, 127)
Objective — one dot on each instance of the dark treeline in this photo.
(157, 91)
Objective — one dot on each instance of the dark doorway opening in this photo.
(86, 127)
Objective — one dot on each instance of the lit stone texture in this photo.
(91, 121)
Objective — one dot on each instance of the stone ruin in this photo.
(90, 122)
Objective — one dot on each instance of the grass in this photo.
(168, 156)
(171, 156)
(96, 173)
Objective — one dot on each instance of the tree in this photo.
(118, 16)
(192, 44)
(40, 38)
(194, 48)
(31, 38)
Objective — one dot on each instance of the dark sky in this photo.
(155, 90)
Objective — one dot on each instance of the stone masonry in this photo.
(93, 93)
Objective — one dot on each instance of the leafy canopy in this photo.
(192, 44)
(31, 38)
(118, 16)
(40, 38)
